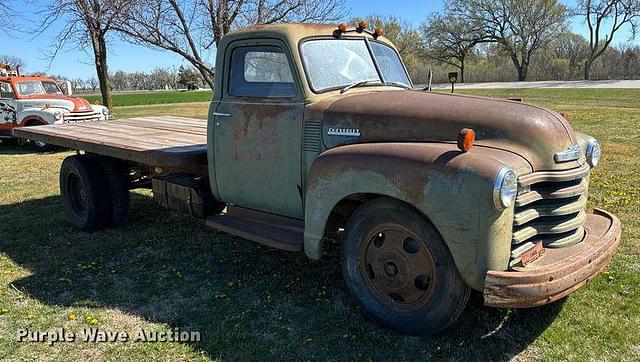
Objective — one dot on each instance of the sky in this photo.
(122, 55)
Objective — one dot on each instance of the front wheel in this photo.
(399, 269)
(40, 146)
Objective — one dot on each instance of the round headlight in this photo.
(505, 189)
(593, 152)
(105, 111)
(57, 115)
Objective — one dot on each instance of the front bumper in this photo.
(558, 272)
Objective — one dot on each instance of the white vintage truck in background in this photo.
(35, 101)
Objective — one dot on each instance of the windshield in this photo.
(51, 88)
(337, 63)
(30, 87)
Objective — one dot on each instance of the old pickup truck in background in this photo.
(35, 101)
(316, 127)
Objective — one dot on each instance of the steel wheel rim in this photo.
(397, 267)
(76, 194)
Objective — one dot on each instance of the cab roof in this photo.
(294, 32)
(19, 78)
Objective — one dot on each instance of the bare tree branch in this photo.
(605, 18)
(190, 28)
(84, 22)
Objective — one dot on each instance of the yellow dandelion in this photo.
(4, 311)
(72, 316)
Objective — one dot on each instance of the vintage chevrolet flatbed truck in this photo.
(316, 127)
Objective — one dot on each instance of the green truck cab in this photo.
(316, 130)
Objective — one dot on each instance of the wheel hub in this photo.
(397, 265)
(391, 269)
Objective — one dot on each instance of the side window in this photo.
(5, 90)
(260, 72)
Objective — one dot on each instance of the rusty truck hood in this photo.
(532, 132)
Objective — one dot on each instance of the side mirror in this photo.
(67, 89)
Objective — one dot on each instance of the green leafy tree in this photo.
(521, 27)
(450, 39)
(188, 76)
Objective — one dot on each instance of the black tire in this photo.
(9, 141)
(407, 282)
(118, 184)
(39, 146)
(84, 192)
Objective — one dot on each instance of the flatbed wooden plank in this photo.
(166, 141)
(153, 127)
(139, 134)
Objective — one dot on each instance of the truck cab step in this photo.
(273, 230)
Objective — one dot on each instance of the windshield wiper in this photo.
(358, 83)
(397, 84)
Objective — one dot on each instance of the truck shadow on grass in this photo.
(248, 301)
(27, 149)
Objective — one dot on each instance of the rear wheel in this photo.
(39, 146)
(9, 141)
(118, 184)
(399, 269)
(84, 193)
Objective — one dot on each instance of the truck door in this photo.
(7, 104)
(258, 130)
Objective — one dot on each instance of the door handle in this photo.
(218, 114)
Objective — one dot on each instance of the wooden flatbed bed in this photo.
(165, 141)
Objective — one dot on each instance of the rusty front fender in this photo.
(452, 189)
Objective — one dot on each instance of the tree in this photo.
(604, 19)
(187, 76)
(521, 27)
(572, 47)
(92, 83)
(86, 22)
(450, 39)
(190, 28)
(13, 62)
(7, 14)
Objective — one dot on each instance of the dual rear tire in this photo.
(95, 191)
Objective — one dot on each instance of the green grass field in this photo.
(164, 271)
(153, 97)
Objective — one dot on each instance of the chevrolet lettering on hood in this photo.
(348, 132)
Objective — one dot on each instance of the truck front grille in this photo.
(82, 117)
(550, 208)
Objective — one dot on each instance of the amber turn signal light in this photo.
(379, 32)
(363, 25)
(342, 27)
(565, 115)
(466, 137)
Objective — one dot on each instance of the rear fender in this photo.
(454, 190)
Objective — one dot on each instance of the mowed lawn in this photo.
(121, 99)
(165, 271)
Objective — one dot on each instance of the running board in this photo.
(272, 230)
